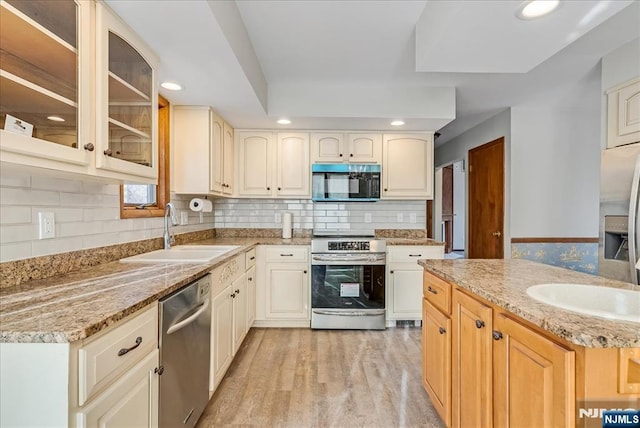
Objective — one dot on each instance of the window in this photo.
(148, 200)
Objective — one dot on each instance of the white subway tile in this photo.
(62, 215)
(15, 251)
(17, 196)
(13, 178)
(93, 214)
(55, 184)
(18, 233)
(78, 229)
(45, 247)
(15, 215)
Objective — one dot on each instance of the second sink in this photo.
(182, 254)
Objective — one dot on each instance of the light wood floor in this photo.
(324, 378)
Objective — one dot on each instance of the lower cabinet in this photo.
(239, 296)
(282, 296)
(436, 359)
(533, 378)
(221, 336)
(404, 280)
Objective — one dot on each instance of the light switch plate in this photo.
(46, 225)
(400, 217)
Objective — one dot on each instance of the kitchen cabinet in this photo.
(282, 296)
(346, 148)
(88, 381)
(203, 152)
(532, 376)
(407, 166)
(52, 59)
(404, 280)
(250, 263)
(436, 359)
(239, 296)
(623, 113)
(273, 165)
(472, 358)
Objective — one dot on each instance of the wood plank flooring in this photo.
(324, 378)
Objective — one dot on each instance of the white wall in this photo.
(459, 205)
(87, 215)
(267, 213)
(555, 162)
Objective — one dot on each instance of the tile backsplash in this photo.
(87, 215)
(355, 216)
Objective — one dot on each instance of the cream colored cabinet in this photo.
(202, 152)
(404, 280)
(250, 264)
(283, 287)
(259, 151)
(532, 376)
(86, 383)
(54, 55)
(239, 296)
(337, 148)
(127, 100)
(623, 113)
(407, 166)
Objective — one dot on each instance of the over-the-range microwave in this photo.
(345, 182)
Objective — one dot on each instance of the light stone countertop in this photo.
(504, 283)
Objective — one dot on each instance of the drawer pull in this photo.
(252, 258)
(415, 255)
(286, 255)
(250, 279)
(233, 295)
(237, 291)
(159, 370)
(441, 330)
(431, 290)
(124, 351)
(497, 335)
(479, 323)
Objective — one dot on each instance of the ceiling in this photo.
(438, 65)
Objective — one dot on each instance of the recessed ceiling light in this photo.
(397, 123)
(531, 9)
(172, 86)
(284, 121)
(55, 118)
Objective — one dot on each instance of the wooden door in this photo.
(486, 201)
(471, 396)
(436, 359)
(533, 379)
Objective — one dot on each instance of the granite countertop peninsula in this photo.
(504, 283)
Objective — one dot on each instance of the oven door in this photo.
(352, 287)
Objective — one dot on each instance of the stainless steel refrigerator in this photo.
(618, 248)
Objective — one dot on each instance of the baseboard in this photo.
(282, 323)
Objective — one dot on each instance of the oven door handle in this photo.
(367, 313)
(343, 258)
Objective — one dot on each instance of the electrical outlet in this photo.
(47, 225)
(367, 217)
(412, 218)
(184, 218)
(400, 218)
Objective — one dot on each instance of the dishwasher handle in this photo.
(189, 320)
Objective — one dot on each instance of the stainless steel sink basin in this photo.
(605, 302)
(182, 254)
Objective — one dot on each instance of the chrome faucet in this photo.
(169, 210)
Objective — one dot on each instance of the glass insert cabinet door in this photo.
(127, 117)
(42, 79)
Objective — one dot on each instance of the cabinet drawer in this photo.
(298, 253)
(412, 253)
(437, 292)
(226, 273)
(250, 258)
(105, 358)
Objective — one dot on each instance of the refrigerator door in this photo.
(619, 185)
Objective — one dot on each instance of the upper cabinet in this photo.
(126, 126)
(407, 167)
(623, 113)
(51, 61)
(258, 151)
(203, 152)
(343, 148)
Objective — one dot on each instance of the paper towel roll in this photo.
(287, 225)
(203, 205)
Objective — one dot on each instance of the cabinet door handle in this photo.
(250, 279)
(233, 295)
(442, 330)
(286, 255)
(497, 335)
(385, 190)
(304, 272)
(159, 370)
(237, 291)
(431, 290)
(124, 351)
(340, 154)
(350, 155)
(279, 188)
(390, 271)
(415, 255)
(479, 323)
(89, 146)
(108, 152)
(252, 258)
(268, 188)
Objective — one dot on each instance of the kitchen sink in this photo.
(182, 254)
(605, 302)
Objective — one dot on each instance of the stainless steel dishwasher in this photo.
(185, 335)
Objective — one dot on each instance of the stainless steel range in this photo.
(347, 283)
